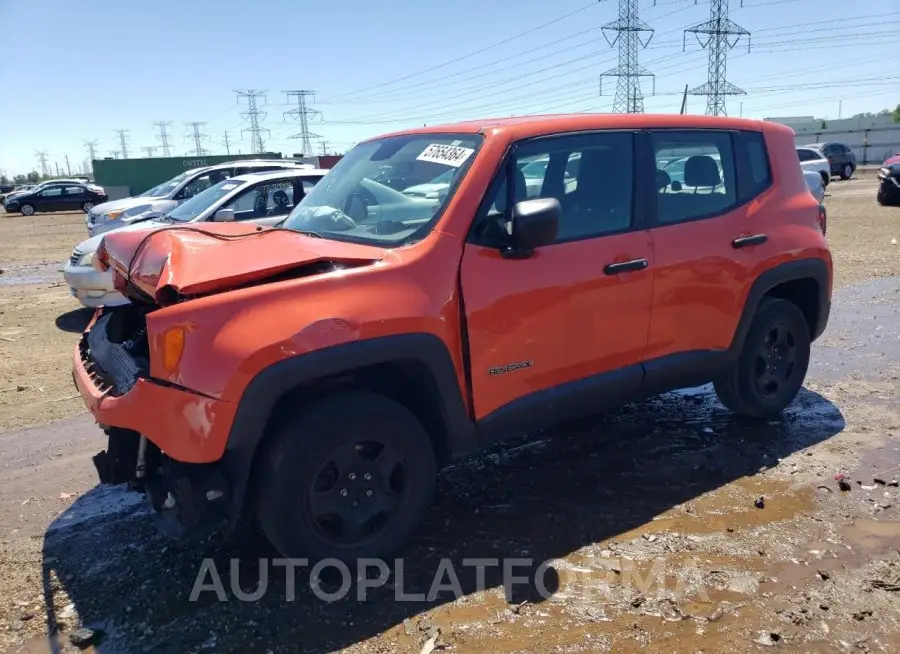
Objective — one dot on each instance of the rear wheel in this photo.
(27, 210)
(846, 171)
(87, 206)
(773, 362)
(348, 477)
(825, 178)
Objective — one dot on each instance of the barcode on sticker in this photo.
(449, 155)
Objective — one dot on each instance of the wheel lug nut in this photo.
(368, 476)
(343, 492)
(369, 493)
(351, 476)
(355, 503)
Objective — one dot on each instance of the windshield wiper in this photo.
(307, 232)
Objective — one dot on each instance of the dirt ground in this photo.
(665, 526)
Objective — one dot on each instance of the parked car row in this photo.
(160, 199)
(262, 196)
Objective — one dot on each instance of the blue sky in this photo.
(77, 71)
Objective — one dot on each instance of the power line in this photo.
(91, 145)
(470, 54)
(628, 28)
(149, 150)
(42, 157)
(123, 141)
(163, 136)
(304, 113)
(255, 116)
(722, 34)
(226, 144)
(198, 138)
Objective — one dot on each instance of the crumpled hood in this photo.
(190, 260)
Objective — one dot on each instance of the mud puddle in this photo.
(21, 274)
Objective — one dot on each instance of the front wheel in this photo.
(772, 364)
(27, 210)
(87, 206)
(846, 171)
(348, 477)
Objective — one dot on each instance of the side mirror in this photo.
(535, 223)
(224, 216)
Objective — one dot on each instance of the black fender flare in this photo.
(808, 268)
(269, 385)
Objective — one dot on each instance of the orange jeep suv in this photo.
(441, 289)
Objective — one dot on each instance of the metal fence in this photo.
(872, 145)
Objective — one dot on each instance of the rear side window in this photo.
(695, 175)
(758, 159)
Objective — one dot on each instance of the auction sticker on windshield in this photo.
(449, 155)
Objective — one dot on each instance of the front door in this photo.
(545, 329)
(50, 199)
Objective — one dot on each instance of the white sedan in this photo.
(814, 161)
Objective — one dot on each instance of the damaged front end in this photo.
(188, 499)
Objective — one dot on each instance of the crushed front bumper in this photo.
(187, 426)
(180, 471)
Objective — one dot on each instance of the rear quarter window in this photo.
(755, 175)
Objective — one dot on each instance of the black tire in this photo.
(825, 178)
(881, 198)
(846, 171)
(334, 444)
(27, 209)
(768, 375)
(87, 206)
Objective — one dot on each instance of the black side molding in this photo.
(815, 269)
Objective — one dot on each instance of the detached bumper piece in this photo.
(189, 500)
(118, 462)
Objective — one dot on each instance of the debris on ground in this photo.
(84, 637)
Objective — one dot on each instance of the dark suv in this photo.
(840, 158)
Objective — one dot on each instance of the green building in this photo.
(125, 177)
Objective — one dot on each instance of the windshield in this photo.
(361, 199)
(190, 209)
(165, 188)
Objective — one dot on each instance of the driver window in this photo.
(263, 201)
(590, 175)
(203, 182)
(51, 192)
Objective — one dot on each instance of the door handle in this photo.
(746, 241)
(625, 266)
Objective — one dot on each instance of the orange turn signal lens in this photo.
(172, 348)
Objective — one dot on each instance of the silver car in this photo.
(260, 198)
(168, 195)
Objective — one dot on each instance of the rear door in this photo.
(73, 197)
(707, 234)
